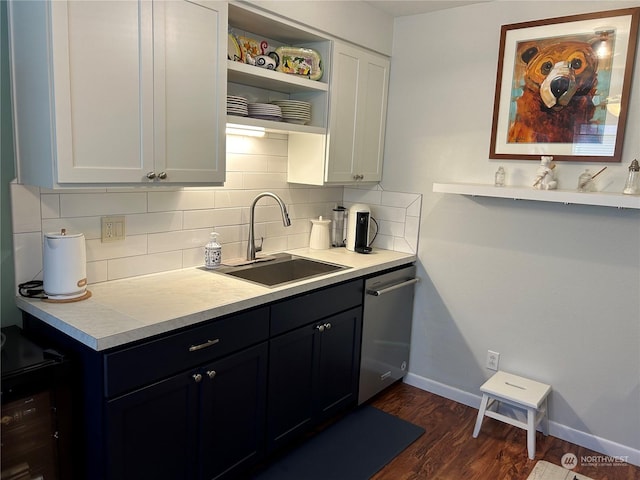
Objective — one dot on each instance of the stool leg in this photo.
(483, 408)
(545, 419)
(531, 433)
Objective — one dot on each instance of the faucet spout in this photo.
(251, 247)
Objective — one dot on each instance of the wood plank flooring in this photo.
(447, 450)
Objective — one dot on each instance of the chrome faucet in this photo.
(251, 247)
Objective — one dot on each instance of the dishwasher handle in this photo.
(377, 293)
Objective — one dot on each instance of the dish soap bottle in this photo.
(212, 252)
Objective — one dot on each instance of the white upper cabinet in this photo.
(124, 92)
(359, 89)
(354, 145)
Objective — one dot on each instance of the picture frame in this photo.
(563, 86)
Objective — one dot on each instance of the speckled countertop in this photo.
(123, 311)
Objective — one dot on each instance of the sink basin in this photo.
(284, 268)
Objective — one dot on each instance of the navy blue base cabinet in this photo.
(213, 400)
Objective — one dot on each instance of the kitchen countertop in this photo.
(123, 311)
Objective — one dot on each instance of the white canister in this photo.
(64, 265)
(320, 238)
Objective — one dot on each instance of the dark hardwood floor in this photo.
(447, 451)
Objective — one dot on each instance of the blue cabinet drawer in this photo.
(307, 308)
(142, 364)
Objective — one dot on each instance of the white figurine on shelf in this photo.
(545, 177)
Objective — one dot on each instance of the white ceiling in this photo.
(401, 8)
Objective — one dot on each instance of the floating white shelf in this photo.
(617, 200)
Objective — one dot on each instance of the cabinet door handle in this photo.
(162, 175)
(197, 377)
(327, 326)
(320, 328)
(206, 344)
(211, 373)
(151, 175)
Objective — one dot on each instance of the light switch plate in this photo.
(113, 228)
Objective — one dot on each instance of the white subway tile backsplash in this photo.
(27, 256)
(50, 205)
(131, 246)
(144, 264)
(382, 212)
(276, 164)
(153, 222)
(92, 204)
(239, 162)
(401, 245)
(300, 240)
(193, 257)
(178, 240)
(25, 203)
(167, 226)
(356, 195)
(395, 229)
(237, 233)
(411, 232)
(259, 180)
(414, 209)
(97, 271)
(397, 199)
(181, 200)
(213, 218)
(89, 226)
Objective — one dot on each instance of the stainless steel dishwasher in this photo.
(386, 330)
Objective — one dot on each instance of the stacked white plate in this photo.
(294, 111)
(237, 106)
(265, 111)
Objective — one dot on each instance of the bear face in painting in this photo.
(560, 81)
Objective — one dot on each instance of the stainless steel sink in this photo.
(284, 268)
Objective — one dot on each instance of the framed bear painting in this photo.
(563, 87)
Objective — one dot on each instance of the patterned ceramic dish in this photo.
(300, 61)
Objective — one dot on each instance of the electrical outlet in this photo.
(493, 360)
(113, 228)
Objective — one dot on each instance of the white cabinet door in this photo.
(108, 92)
(358, 99)
(190, 90)
(102, 81)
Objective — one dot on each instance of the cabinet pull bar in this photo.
(206, 344)
(377, 293)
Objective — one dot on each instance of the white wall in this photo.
(554, 288)
(353, 21)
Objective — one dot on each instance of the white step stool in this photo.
(521, 393)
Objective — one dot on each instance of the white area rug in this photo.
(548, 471)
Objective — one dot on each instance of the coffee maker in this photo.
(358, 228)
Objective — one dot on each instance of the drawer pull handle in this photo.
(206, 344)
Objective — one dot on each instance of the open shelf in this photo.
(271, 80)
(602, 199)
(276, 127)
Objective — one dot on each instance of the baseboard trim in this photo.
(583, 439)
